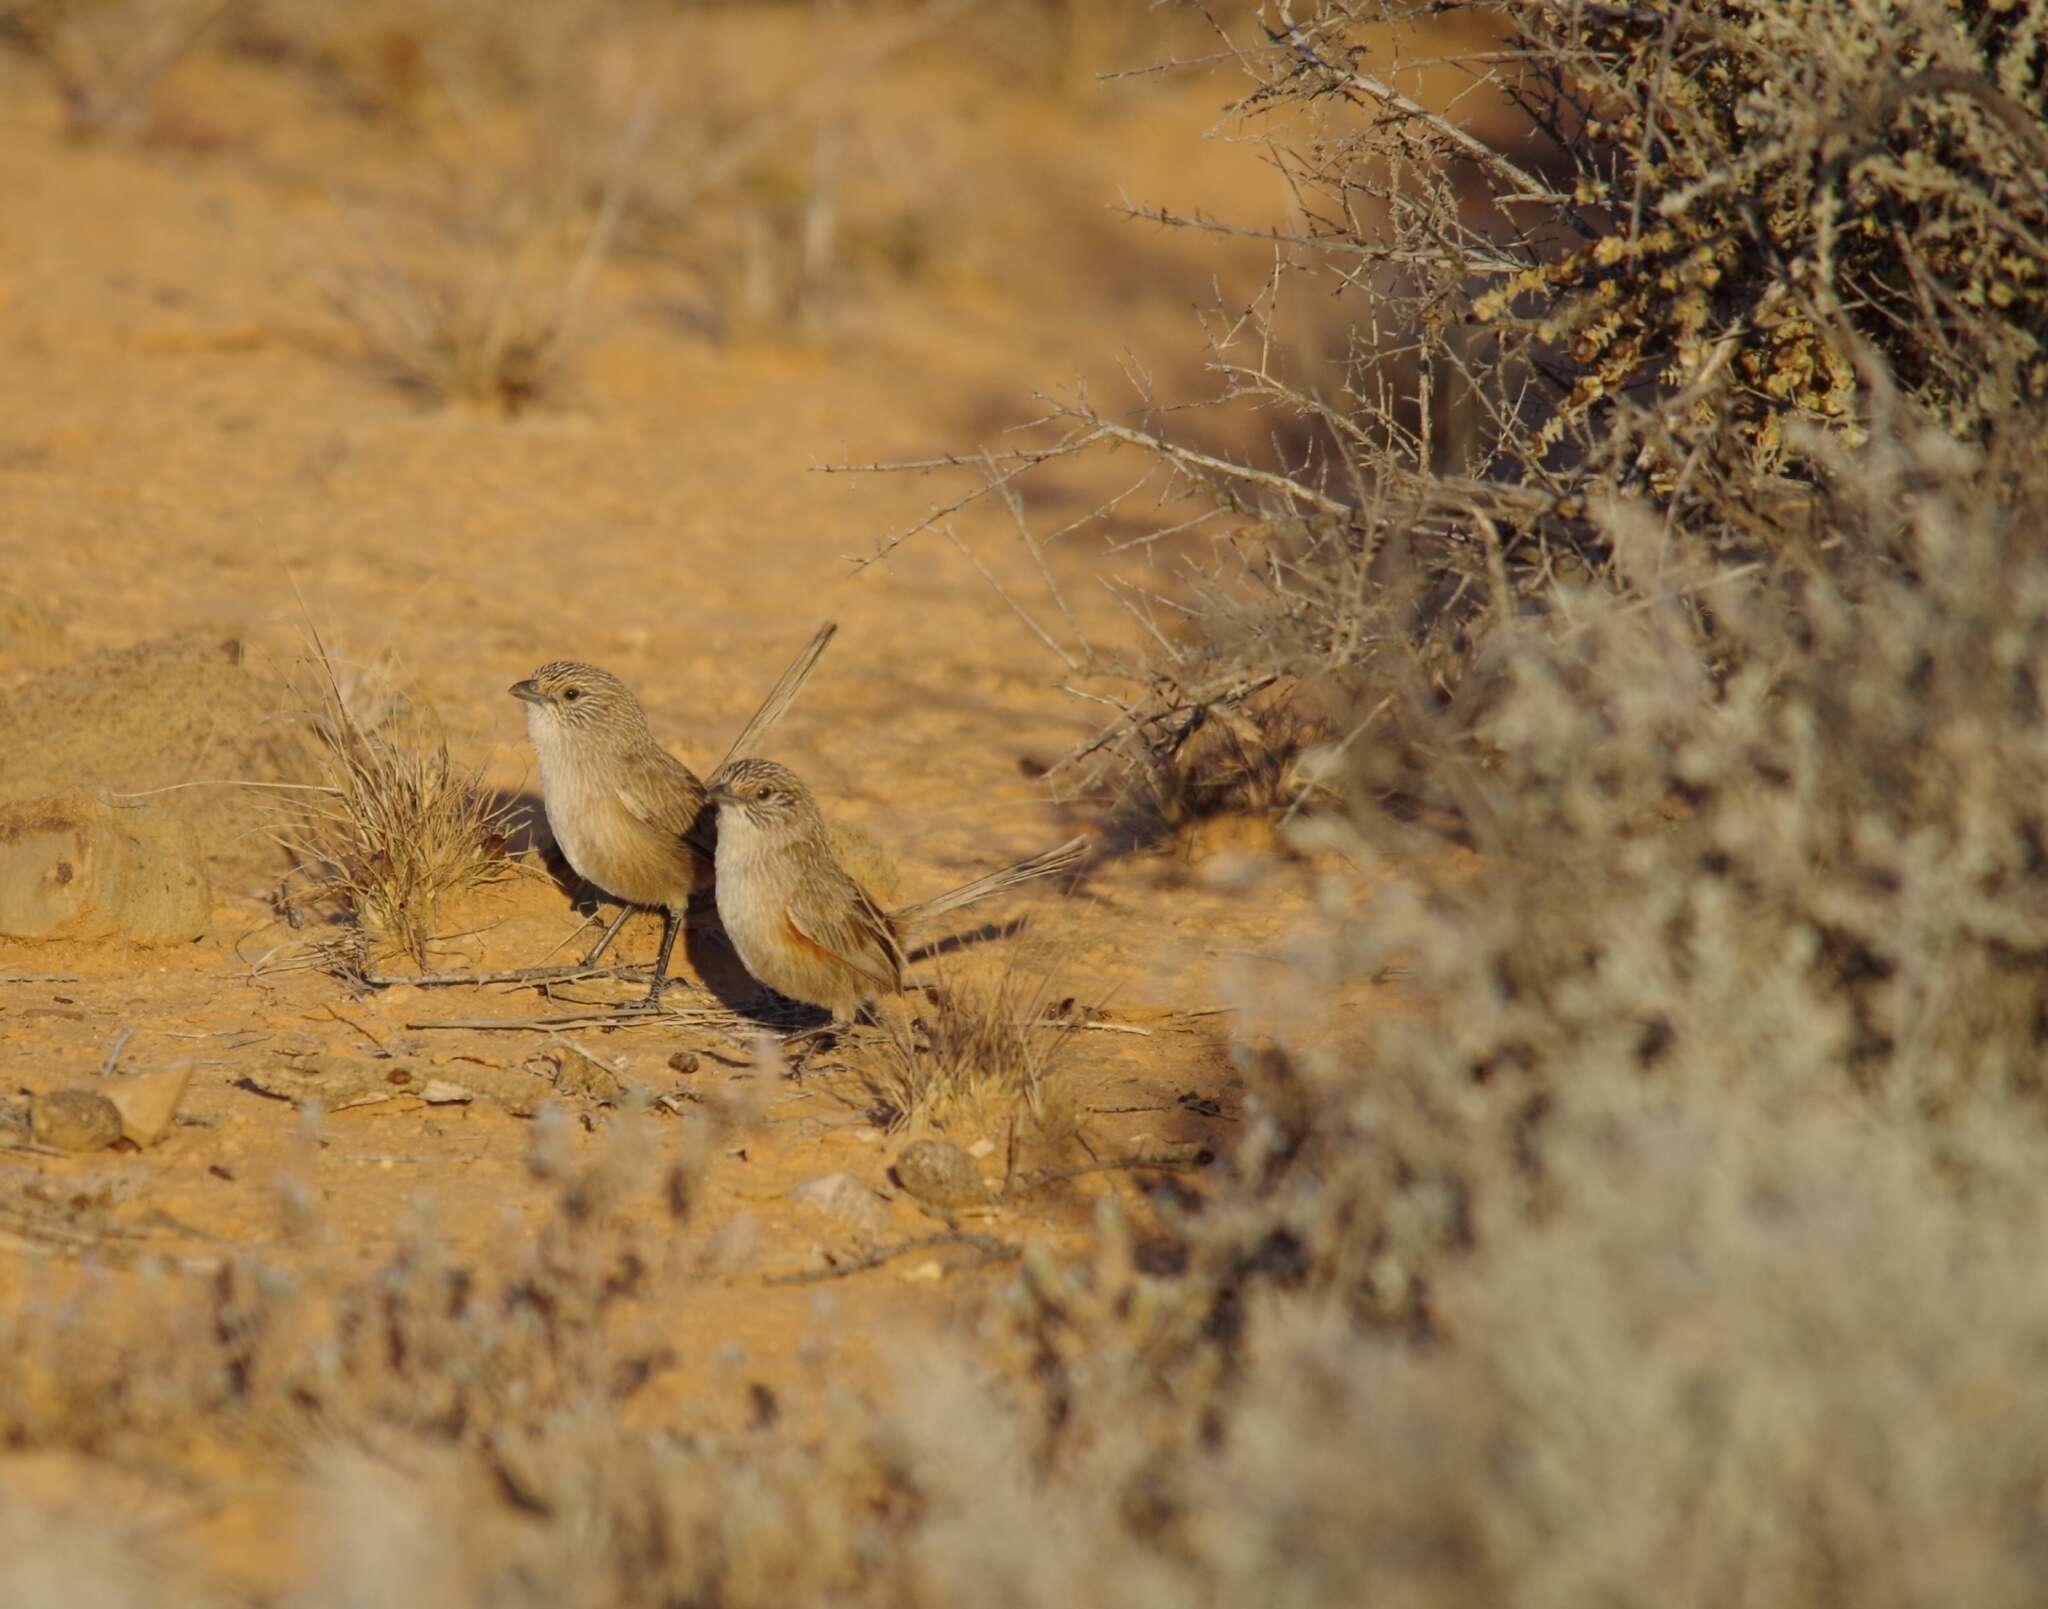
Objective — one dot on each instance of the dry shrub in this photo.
(462, 1418)
(607, 1518)
(417, 1346)
(1751, 1361)
(1724, 218)
(1777, 181)
(1669, 1248)
(396, 827)
(1673, 1250)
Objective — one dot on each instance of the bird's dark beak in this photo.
(718, 796)
(530, 691)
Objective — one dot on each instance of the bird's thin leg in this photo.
(610, 933)
(671, 924)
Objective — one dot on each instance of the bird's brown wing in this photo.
(839, 918)
(663, 792)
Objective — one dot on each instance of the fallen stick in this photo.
(114, 1054)
(453, 980)
(542, 1025)
(1168, 1164)
(40, 977)
(992, 1251)
(1091, 1027)
(42, 1243)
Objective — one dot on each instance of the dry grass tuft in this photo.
(491, 314)
(489, 338)
(399, 827)
(106, 58)
(976, 1050)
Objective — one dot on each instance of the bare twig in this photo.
(452, 980)
(628, 1017)
(1083, 1027)
(666, 1017)
(1474, 259)
(1531, 188)
(1142, 1164)
(992, 1249)
(113, 1056)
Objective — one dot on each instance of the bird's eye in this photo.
(572, 694)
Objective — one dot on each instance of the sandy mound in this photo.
(156, 716)
(30, 636)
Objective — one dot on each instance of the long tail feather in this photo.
(1052, 861)
(781, 695)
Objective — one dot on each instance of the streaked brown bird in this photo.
(629, 817)
(801, 925)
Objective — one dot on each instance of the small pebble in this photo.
(940, 1174)
(74, 1120)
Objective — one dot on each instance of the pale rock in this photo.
(148, 1103)
(843, 1197)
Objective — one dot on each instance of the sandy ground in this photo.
(188, 457)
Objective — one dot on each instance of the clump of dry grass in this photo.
(973, 1049)
(418, 1346)
(106, 58)
(489, 338)
(766, 208)
(493, 313)
(397, 827)
(420, 64)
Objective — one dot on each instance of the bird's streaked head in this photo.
(568, 699)
(764, 795)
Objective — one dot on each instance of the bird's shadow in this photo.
(717, 965)
(954, 943)
(712, 957)
(522, 825)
